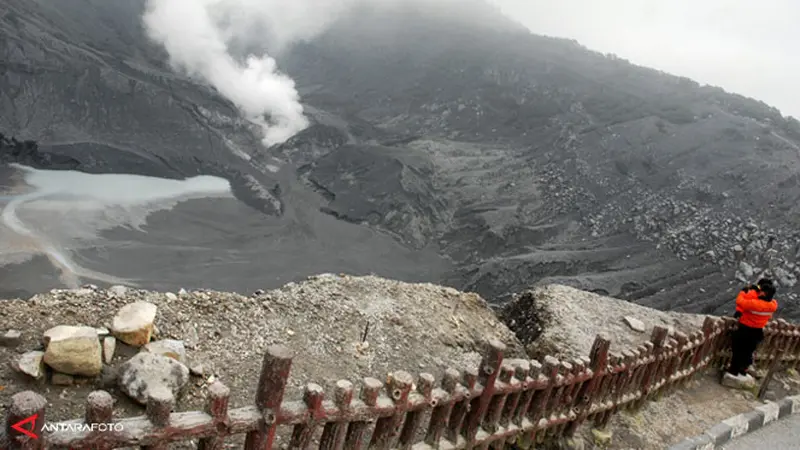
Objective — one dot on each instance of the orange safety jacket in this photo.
(755, 312)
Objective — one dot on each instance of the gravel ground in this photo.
(690, 412)
(564, 321)
(413, 327)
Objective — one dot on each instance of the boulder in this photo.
(31, 364)
(602, 438)
(10, 338)
(785, 278)
(746, 270)
(134, 323)
(635, 324)
(743, 382)
(73, 350)
(197, 370)
(147, 371)
(118, 291)
(168, 347)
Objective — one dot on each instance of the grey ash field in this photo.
(471, 154)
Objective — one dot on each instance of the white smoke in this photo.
(198, 35)
(202, 36)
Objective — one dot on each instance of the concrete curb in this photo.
(742, 424)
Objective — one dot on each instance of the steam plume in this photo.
(198, 35)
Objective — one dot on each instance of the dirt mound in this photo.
(413, 327)
(564, 321)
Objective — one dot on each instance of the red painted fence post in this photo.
(25, 418)
(271, 386)
(217, 408)
(441, 412)
(387, 429)
(487, 373)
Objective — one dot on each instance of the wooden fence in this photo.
(502, 401)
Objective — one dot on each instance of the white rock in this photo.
(73, 350)
(102, 332)
(785, 278)
(109, 347)
(171, 297)
(83, 292)
(744, 382)
(118, 291)
(168, 347)
(746, 270)
(147, 371)
(31, 364)
(197, 370)
(133, 324)
(191, 340)
(10, 338)
(635, 324)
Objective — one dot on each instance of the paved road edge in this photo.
(740, 425)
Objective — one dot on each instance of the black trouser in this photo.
(744, 342)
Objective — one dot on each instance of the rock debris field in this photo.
(563, 321)
(67, 343)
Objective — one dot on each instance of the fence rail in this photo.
(501, 401)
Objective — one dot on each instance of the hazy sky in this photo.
(751, 47)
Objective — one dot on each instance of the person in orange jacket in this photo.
(755, 306)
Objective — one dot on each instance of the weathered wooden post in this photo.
(160, 402)
(303, 432)
(520, 382)
(540, 400)
(460, 409)
(488, 373)
(413, 419)
(795, 348)
(583, 374)
(598, 357)
(334, 432)
(24, 422)
(764, 349)
(386, 430)
(498, 403)
(729, 326)
(99, 410)
(271, 386)
(217, 408)
(773, 366)
(370, 390)
(535, 378)
(441, 411)
(653, 372)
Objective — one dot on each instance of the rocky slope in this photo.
(551, 163)
(563, 321)
(339, 327)
(521, 159)
(66, 343)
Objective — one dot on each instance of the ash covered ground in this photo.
(440, 149)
